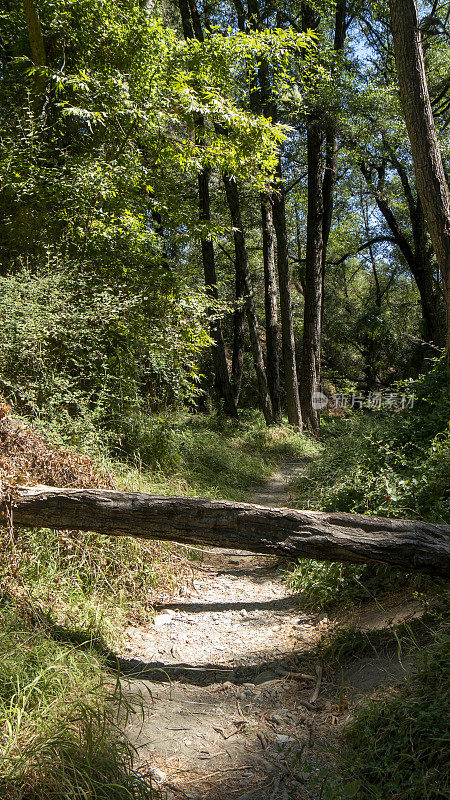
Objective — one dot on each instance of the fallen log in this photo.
(410, 545)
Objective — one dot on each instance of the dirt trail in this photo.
(219, 676)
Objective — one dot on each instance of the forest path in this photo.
(220, 681)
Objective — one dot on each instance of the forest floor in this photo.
(232, 698)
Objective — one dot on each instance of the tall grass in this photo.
(213, 456)
(58, 734)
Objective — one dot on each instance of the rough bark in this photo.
(261, 103)
(242, 267)
(408, 544)
(312, 323)
(287, 324)
(34, 33)
(430, 178)
(331, 146)
(270, 305)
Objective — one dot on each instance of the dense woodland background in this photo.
(175, 177)
(208, 214)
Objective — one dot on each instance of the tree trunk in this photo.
(260, 99)
(417, 258)
(34, 33)
(192, 28)
(237, 364)
(408, 544)
(37, 46)
(430, 178)
(270, 304)
(242, 267)
(222, 378)
(287, 323)
(312, 323)
(422, 271)
(331, 148)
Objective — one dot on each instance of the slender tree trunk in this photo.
(430, 177)
(270, 303)
(417, 258)
(237, 366)
(331, 148)
(287, 323)
(222, 379)
(158, 227)
(312, 322)
(312, 317)
(261, 103)
(242, 267)
(37, 46)
(320, 215)
(192, 29)
(34, 33)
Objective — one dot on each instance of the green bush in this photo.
(323, 585)
(90, 358)
(395, 465)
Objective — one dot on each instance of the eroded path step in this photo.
(235, 618)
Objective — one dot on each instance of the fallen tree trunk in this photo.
(408, 544)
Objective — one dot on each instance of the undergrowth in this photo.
(93, 583)
(59, 736)
(392, 465)
(326, 585)
(398, 746)
(212, 456)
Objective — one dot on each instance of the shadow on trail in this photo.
(161, 672)
(199, 674)
(279, 603)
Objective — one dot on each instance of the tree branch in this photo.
(369, 243)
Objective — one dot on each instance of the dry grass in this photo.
(30, 457)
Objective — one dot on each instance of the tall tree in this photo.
(312, 321)
(242, 268)
(430, 178)
(192, 28)
(270, 304)
(287, 324)
(321, 135)
(261, 103)
(37, 46)
(276, 212)
(415, 249)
